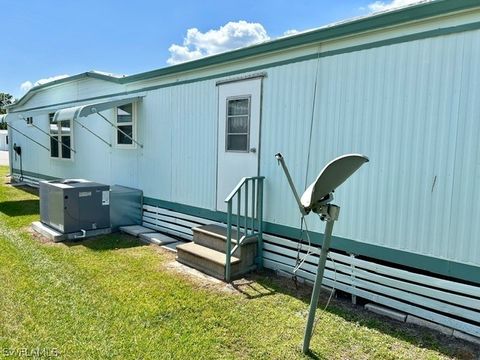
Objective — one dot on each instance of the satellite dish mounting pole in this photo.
(317, 198)
(281, 161)
(330, 214)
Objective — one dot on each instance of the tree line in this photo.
(5, 99)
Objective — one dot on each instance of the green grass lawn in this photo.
(113, 297)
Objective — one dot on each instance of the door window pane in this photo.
(238, 107)
(237, 142)
(238, 124)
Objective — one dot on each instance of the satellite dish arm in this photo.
(281, 161)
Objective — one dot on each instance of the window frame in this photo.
(133, 145)
(60, 136)
(29, 120)
(238, 97)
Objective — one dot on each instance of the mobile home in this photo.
(3, 140)
(401, 87)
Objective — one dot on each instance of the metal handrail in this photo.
(236, 189)
(252, 225)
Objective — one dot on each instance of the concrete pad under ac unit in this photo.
(56, 236)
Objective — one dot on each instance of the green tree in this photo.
(5, 99)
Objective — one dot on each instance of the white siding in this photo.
(72, 91)
(180, 144)
(464, 223)
(412, 109)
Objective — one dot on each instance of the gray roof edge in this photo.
(87, 74)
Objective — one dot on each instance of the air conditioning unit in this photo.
(73, 205)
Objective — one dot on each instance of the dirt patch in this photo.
(40, 238)
(195, 277)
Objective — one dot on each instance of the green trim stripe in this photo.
(465, 272)
(34, 175)
(372, 45)
(369, 23)
(439, 266)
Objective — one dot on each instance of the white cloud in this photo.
(291, 32)
(232, 35)
(27, 85)
(389, 5)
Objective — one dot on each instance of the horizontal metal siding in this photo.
(400, 106)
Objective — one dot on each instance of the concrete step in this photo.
(215, 237)
(157, 238)
(135, 230)
(207, 260)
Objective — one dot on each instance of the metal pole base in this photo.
(332, 216)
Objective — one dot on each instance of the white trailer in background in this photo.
(3, 140)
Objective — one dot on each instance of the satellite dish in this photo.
(332, 176)
(317, 199)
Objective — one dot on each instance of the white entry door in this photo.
(238, 134)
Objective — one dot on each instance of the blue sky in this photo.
(44, 39)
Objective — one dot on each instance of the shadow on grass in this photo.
(413, 334)
(252, 289)
(28, 189)
(109, 242)
(314, 356)
(19, 207)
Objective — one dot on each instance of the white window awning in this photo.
(22, 114)
(76, 112)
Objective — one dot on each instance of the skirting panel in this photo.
(446, 302)
(29, 180)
